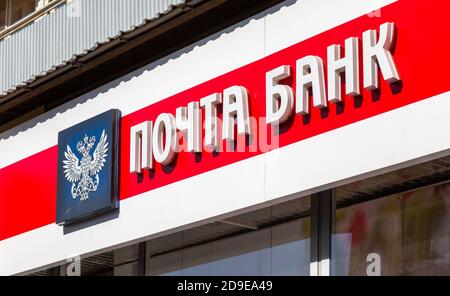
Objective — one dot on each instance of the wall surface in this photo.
(382, 132)
(69, 30)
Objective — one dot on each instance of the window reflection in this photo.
(2, 14)
(21, 8)
(279, 250)
(409, 231)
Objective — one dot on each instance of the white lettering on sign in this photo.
(310, 77)
(189, 121)
(210, 104)
(337, 65)
(165, 142)
(160, 140)
(141, 136)
(279, 98)
(377, 53)
(235, 111)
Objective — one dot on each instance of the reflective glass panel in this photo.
(21, 8)
(401, 234)
(2, 14)
(278, 250)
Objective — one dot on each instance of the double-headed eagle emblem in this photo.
(84, 175)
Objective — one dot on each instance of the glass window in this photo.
(21, 8)
(2, 14)
(400, 234)
(279, 250)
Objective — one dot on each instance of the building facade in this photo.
(210, 137)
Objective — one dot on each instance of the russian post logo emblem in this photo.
(88, 168)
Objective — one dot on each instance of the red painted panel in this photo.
(27, 194)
